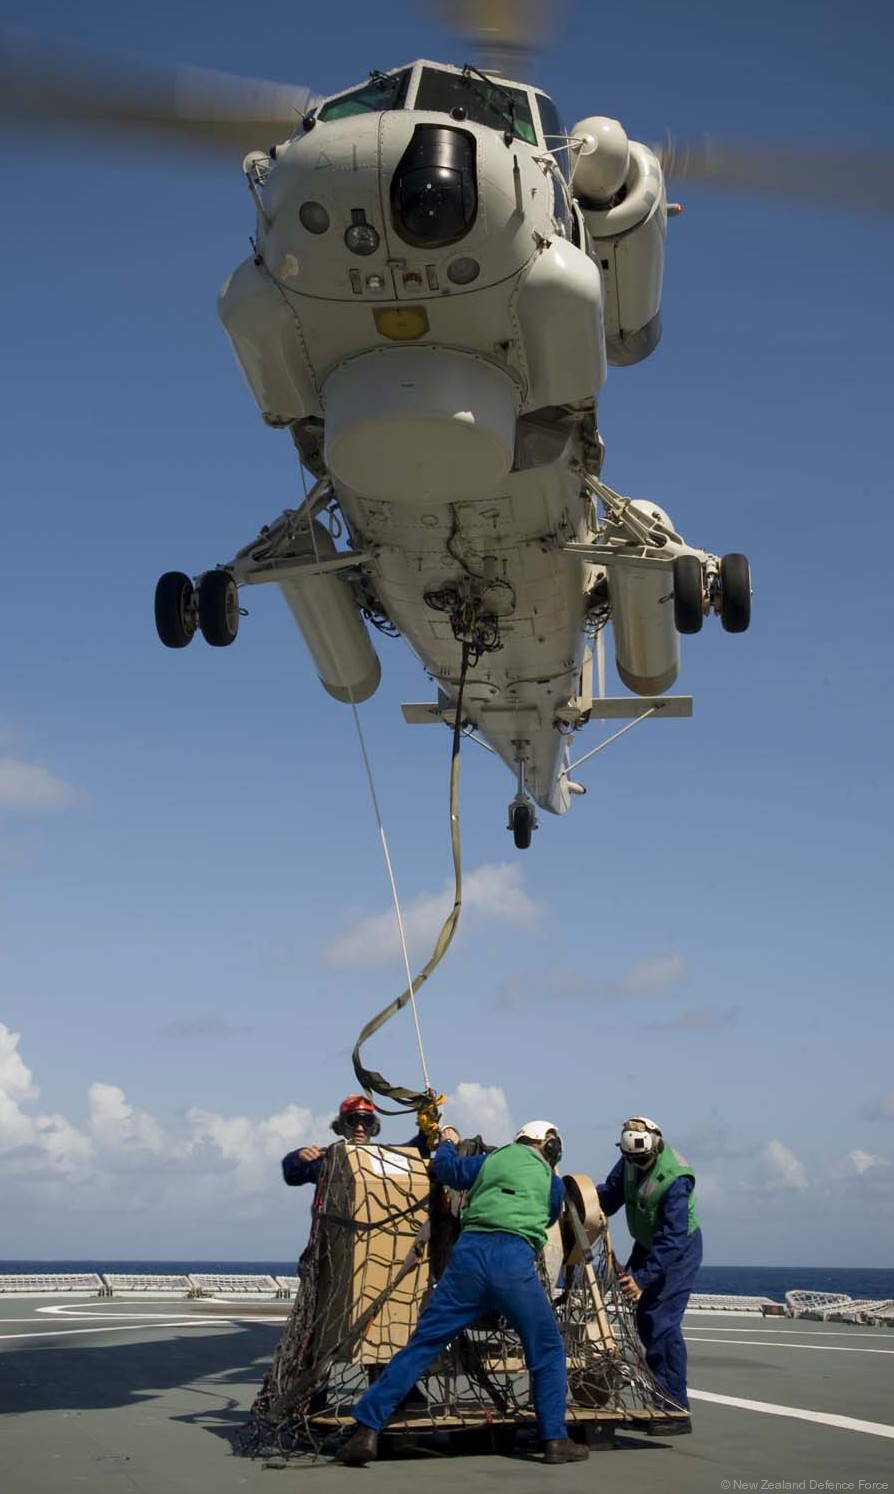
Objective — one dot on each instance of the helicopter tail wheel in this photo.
(523, 825)
(689, 594)
(735, 593)
(218, 608)
(175, 609)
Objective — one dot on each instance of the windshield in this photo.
(554, 133)
(383, 91)
(480, 100)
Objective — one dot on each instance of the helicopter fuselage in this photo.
(430, 310)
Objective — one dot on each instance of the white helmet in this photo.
(536, 1131)
(545, 1135)
(640, 1137)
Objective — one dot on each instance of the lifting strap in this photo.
(369, 1079)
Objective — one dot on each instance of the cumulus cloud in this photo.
(480, 1108)
(862, 1161)
(490, 894)
(883, 1109)
(124, 1156)
(784, 1167)
(27, 787)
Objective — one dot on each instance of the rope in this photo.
(369, 1079)
(400, 922)
(384, 839)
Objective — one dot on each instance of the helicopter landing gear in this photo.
(689, 594)
(522, 823)
(176, 616)
(735, 593)
(522, 814)
(218, 608)
(181, 609)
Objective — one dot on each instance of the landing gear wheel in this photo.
(175, 613)
(522, 825)
(689, 612)
(218, 608)
(735, 593)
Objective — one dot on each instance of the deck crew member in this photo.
(513, 1195)
(356, 1122)
(656, 1187)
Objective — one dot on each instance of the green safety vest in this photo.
(643, 1192)
(511, 1193)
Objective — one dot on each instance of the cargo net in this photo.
(381, 1234)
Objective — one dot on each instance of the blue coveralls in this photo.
(296, 1173)
(665, 1273)
(487, 1269)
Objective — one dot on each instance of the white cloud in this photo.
(479, 1109)
(116, 1125)
(648, 977)
(32, 1145)
(124, 1158)
(863, 1161)
(784, 1166)
(490, 894)
(884, 1108)
(15, 1079)
(25, 786)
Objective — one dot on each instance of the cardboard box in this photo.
(375, 1202)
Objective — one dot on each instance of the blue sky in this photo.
(195, 909)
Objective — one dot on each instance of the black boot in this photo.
(361, 1448)
(563, 1450)
(670, 1426)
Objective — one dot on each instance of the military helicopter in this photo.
(441, 274)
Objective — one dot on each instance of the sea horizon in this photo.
(870, 1282)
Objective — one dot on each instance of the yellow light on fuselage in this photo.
(401, 323)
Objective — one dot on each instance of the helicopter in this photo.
(442, 273)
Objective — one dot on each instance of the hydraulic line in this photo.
(369, 1079)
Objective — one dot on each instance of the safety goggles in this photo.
(359, 1120)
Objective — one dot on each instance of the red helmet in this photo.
(356, 1102)
(356, 1105)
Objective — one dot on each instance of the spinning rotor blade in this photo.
(832, 177)
(507, 35)
(47, 85)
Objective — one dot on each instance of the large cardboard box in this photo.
(374, 1204)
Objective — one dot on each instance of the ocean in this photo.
(750, 1281)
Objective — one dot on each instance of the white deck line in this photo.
(761, 1343)
(823, 1418)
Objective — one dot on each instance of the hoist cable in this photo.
(396, 899)
(369, 1079)
(382, 836)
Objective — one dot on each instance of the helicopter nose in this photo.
(434, 194)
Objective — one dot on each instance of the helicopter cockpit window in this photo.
(383, 91)
(554, 133)
(478, 99)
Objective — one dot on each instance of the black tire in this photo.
(522, 825)
(175, 615)
(735, 593)
(218, 608)
(689, 611)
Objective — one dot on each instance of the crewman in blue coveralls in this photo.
(356, 1122)
(513, 1195)
(656, 1186)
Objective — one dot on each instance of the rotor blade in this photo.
(43, 84)
(507, 35)
(861, 178)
